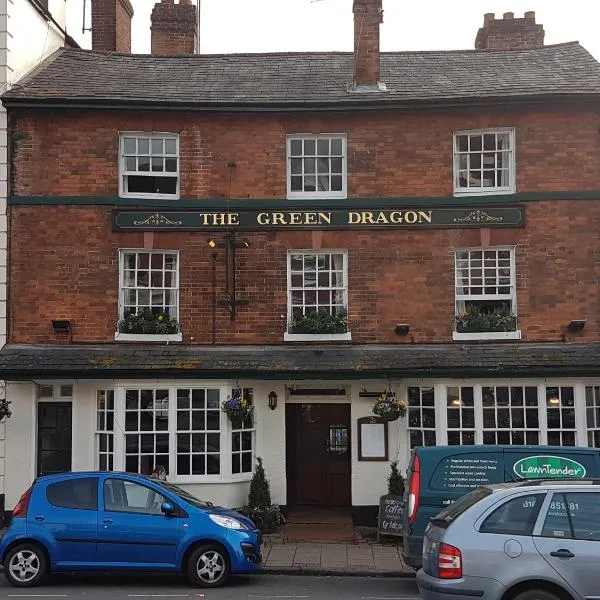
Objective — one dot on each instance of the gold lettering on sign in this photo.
(262, 218)
(219, 219)
(425, 216)
(385, 217)
(293, 218)
(396, 217)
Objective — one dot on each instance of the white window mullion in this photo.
(119, 441)
(541, 389)
(581, 437)
(441, 418)
(477, 400)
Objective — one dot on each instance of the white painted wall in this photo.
(26, 38)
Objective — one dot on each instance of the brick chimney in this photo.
(174, 28)
(111, 25)
(368, 16)
(509, 33)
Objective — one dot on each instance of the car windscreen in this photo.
(454, 510)
(185, 496)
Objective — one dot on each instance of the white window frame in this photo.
(316, 337)
(225, 430)
(102, 429)
(561, 430)
(247, 393)
(123, 290)
(510, 188)
(123, 172)
(420, 407)
(455, 404)
(465, 298)
(343, 193)
(592, 408)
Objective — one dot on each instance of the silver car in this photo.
(531, 540)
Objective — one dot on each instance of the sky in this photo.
(229, 26)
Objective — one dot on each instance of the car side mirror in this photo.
(168, 509)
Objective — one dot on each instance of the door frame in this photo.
(346, 399)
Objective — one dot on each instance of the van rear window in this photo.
(461, 472)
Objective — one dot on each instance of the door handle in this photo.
(40, 518)
(107, 522)
(562, 553)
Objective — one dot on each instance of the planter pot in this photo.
(391, 416)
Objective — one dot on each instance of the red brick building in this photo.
(313, 229)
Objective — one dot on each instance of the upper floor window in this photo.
(149, 280)
(149, 165)
(484, 161)
(317, 292)
(316, 166)
(485, 285)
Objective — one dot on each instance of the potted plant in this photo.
(388, 407)
(476, 320)
(147, 322)
(265, 515)
(321, 321)
(239, 409)
(5, 411)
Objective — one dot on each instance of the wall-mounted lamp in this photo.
(61, 326)
(402, 329)
(272, 400)
(576, 325)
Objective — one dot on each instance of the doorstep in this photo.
(362, 559)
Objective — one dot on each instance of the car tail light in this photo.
(449, 562)
(414, 490)
(20, 509)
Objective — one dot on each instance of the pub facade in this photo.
(303, 232)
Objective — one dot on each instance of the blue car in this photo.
(117, 522)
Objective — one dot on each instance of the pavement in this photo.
(363, 559)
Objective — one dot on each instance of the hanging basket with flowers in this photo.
(239, 409)
(388, 407)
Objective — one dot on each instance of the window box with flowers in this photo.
(388, 407)
(486, 322)
(332, 326)
(146, 325)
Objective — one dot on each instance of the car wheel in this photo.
(26, 565)
(536, 595)
(208, 566)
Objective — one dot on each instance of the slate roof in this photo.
(305, 79)
(24, 362)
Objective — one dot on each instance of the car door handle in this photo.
(107, 522)
(40, 518)
(562, 553)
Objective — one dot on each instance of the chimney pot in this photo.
(488, 18)
(111, 25)
(530, 14)
(509, 15)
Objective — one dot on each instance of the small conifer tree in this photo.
(395, 481)
(260, 490)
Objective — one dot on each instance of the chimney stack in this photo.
(509, 33)
(368, 16)
(111, 25)
(174, 28)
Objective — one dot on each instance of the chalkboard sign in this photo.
(391, 511)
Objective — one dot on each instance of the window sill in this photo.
(148, 337)
(314, 195)
(484, 192)
(487, 335)
(207, 479)
(133, 196)
(317, 337)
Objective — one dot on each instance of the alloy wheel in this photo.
(24, 566)
(210, 566)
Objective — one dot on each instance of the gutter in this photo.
(366, 106)
(48, 16)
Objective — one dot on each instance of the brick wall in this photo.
(111, 25)
(65, 259)
(174, 29)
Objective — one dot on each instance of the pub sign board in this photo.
(391, 515)
(355, 218)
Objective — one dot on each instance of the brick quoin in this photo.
(64, 259)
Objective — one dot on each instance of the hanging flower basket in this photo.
(388, 407)
(238, 409)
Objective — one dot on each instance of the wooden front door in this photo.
(318, 454)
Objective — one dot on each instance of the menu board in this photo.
(391, 513)
(467, 471)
